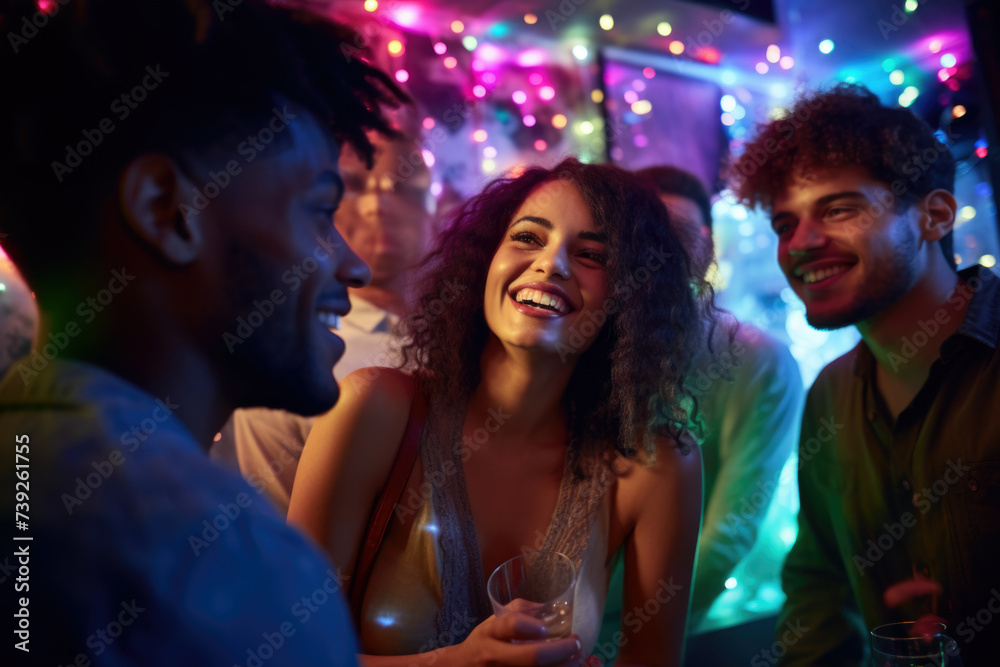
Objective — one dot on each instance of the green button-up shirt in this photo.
(885, 500)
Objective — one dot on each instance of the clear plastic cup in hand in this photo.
(540, 584)
(893, 645)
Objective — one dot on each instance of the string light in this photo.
(479, 136)
(676, 47)
(547, 93)
(540, 145)
(371, 5)
(530, 19)
(597, 95)
(457, 26)
(663, 28)
(606, 22)
(907, 97)
(559, 121)
(897, 77)
(935, 45)
(786, 62)
(580, 52)
(450, 62)
(826, 46)
(648, 72)
(440, 48)
(642, 107)
(773, 53)
(762, 68)
(402, 75)
(395, 47)
(948, 60)
(479, 91)
(428, 123)
(519, 97)
(529, 120)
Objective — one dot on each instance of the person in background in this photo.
(163, 164)
(899, 453)
(749, 398)
(18, 315)
(385, 217)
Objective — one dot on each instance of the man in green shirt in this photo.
(899, 453)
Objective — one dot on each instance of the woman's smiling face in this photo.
(546, 285)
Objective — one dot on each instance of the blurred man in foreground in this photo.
(169, 177)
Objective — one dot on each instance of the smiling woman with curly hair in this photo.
(555, 323)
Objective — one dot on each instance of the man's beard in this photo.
(888, 281)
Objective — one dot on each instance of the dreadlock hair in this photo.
(96, 83)
(630, 381)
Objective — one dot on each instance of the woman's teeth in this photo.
(544, 299)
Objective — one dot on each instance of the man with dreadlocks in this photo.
(169, 176)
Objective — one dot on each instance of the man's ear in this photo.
(937, 214)
(150, 198)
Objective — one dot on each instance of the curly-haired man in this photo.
(899, 454)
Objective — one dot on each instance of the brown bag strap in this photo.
(406, 456)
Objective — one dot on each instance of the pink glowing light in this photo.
(540, 145)
(531, 58)
(406, 15)
(529, 120)
(402, 75)
(479, 91)
(489, 77)
(519, 97)
(491, 53)
(547, 93)
(440, 48)
(535, 79)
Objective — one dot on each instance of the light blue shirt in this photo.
(145, 552)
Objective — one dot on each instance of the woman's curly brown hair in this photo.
(630, 381)
(845, 126)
